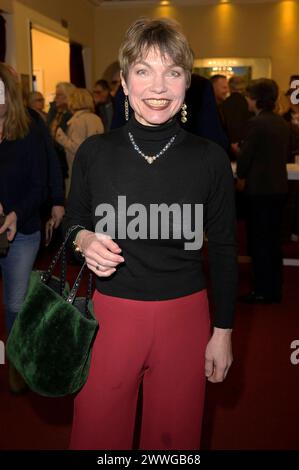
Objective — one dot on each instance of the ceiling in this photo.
(173, 2)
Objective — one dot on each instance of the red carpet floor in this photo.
(257, 407)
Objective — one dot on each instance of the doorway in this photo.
(50, 62)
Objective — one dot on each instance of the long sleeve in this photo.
(55, 181)
(80, 128)
(36, 163)
(220, 226)
(248, 149)
(194, 172)
(72, 143)
(79, 209)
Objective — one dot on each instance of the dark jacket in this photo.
(294, 129)
(66, 116)
(55, 182)
(264, 154)
(23, 179)
(235, 115)
(203, 116)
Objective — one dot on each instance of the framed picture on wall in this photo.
(248, 68)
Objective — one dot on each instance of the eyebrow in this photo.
(142, 62)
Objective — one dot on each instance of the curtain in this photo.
(2, 39)
(76, 65)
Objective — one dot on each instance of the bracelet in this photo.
(77, 250)
(76, 247)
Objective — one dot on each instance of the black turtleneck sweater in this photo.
(192, 171)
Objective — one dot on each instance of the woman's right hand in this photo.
(101, 253)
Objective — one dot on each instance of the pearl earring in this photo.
(184, 113)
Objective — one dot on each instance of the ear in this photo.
(123, 82)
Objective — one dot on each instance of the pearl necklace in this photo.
(151, 158)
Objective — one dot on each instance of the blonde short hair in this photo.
(161, 34)
(66, 87)
(79, 99)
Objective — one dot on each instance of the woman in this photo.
(82, 124)
(150, 298)
(104, 107)
(23, 180)
(58, 116)
(261, 161)
(36, 101)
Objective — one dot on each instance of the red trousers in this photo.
(161, 343)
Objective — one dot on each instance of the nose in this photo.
(158, 84)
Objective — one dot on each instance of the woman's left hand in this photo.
(219, 355)
(10, 224)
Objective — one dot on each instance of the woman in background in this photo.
(82, 124)
(23, 189)
(58, 116)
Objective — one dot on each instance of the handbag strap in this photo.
(46, 276)
(73, 292)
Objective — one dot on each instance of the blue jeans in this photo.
(16, 268)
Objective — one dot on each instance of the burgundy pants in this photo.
(160, 342)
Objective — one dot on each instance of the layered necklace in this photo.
(151, 158)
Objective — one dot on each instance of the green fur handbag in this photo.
(51, 340)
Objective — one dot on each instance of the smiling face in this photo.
(155, 87)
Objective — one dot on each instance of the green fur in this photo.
(50, 342)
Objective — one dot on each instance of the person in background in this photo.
(150, 298)
(36, 101)
(83, 123)
(115, 83)
(202, 114)
(220, 87)
(23, 189)
(235, 113)
(292, 117)
(58, 116)
(261, 161)
(103, 103)
(52, 211)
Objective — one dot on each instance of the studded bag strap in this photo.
(73, 293)
(46, 275)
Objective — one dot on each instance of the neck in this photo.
(155, 133)
(148, 123)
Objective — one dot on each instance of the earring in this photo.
(184, 113)
(127, 108)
